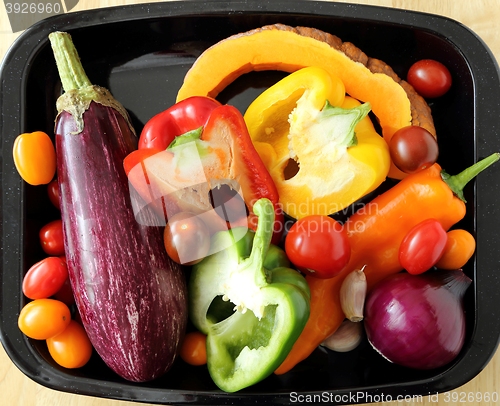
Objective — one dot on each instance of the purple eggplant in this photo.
(131, 296)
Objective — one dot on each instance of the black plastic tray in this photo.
(141, 54)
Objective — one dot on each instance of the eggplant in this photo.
(132, 298)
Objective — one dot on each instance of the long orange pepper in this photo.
(375, 234)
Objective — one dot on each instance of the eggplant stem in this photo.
(71, 72)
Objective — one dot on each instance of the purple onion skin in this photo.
(418, 321)
(131, 297)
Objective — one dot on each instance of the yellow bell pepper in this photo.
(318, 144)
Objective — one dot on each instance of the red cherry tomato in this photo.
(70, 348)
(51, 238)
(53, 192)
(413, 148)
(318, 245)
(429, 78)
(45, 278)
(186, 238)
(423, 246)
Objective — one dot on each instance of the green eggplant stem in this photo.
(79, 92)
(457, 182)
(71, 72)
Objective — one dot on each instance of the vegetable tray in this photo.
(141, 53)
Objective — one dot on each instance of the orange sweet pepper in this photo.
(375, 233)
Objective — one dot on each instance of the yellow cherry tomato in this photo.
(72, 347)
(459, 248)
(35, 157)
(44, 318)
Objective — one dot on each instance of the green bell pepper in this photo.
(275, 256)
(251, 315)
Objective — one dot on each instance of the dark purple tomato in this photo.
(413, 148)
(186, 238)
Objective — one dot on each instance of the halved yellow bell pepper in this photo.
(318, 144)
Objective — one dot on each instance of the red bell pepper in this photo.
(202, 163)
(184, 116)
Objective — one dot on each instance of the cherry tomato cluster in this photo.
(414, 148)
(428, 244)
(48, 316)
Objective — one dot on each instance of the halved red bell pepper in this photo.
(191, 171)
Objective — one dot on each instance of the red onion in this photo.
(418, 321)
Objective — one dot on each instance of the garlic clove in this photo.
(346, 338)
(352, 295)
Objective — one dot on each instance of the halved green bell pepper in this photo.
(251, 315)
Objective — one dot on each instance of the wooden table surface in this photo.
(482, 16)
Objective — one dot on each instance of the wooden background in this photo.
(482, 16)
